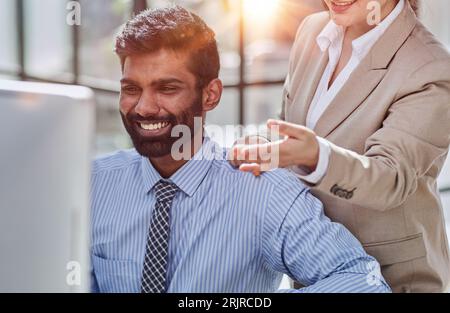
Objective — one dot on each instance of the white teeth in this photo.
(154, 126)
(343, 3)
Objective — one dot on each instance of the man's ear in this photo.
(212, 94)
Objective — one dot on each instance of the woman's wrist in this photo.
(310, 158)
(314, 177)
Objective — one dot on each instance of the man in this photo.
(165, 224)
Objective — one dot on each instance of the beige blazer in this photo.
(389, 129)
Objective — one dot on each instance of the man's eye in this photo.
(168, 89)
(131, 89)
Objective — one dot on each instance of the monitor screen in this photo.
(46, 140)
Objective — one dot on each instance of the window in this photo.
(262, 103)
(8, 49)
(111, 134)
(48, 52)
(434, 15)
(98, 63)
(254, 52)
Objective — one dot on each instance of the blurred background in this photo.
(38, 44)
(255, 37)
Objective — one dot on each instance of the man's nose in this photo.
(147, 105)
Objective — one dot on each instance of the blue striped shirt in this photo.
(230, 231)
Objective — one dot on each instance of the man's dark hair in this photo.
(172, 28)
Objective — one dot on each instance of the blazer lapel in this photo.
(358, 87)
(368, 74)
(313, 72)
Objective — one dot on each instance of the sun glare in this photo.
(260, 10)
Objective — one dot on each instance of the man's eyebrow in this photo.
(164, 81)
(128, 81)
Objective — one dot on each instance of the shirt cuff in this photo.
(322, 165)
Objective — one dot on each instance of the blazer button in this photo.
(341, 192)
(334, 189)
(350, 194)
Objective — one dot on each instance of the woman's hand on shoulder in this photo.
(255, 154)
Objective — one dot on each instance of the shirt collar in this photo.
(330, 34)
(333, 32)
(189, 177)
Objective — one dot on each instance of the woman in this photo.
(366, 112)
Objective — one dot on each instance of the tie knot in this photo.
(165, 191)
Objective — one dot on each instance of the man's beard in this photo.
(162, 145)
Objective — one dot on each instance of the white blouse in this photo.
(332, 38)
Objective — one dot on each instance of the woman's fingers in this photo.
(256, 168)
(253, 168)
(258, 158)
(259, 153)
(286, 128)
(238, 153)
(232, 156)
(300, 147)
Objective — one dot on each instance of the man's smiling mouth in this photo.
(153, 126)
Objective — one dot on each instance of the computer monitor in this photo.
(46, 136)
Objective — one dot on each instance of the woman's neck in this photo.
(355, 31)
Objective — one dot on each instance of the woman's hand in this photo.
(300, 147)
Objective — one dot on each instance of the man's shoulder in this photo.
(280, 179)
(118, 160)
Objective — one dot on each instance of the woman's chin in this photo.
(341, 21)
(344, 20)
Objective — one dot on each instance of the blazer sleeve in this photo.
(414, 134)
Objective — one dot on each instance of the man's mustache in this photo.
(133, 117)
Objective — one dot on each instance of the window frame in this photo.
(98, 85)
(138, 5)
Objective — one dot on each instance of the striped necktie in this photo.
(156, 252)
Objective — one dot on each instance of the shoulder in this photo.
(273, 195)
(427, 43)
(312, 25)
(319, 19)
(305, 38)
(281, 178)
(422, 66)
(278, 183)
(290, 201)
(116, 161)
(423, 53)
